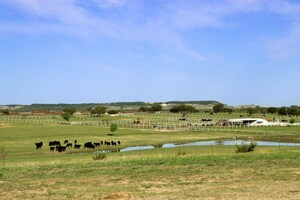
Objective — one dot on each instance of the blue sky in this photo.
(72, 51)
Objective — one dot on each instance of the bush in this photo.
(99, 156)
(112, 112)
(244, 148)
(292, 121)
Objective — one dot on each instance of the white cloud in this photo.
(286, 46)
(164, 26)
(109, 3)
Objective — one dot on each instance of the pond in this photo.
(209, 143)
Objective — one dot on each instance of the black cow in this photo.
(66, 141)
(97, 144)
(113, 143)
(38, 145)
(60, 148)
(69, 145)
(119, 142)
(54, 143)
(77, 146)
(52, 148)
(75, 141)
(101, 142)
(89, 145)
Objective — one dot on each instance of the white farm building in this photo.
(253, 122)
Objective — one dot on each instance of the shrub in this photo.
(99, 156)
(112, 112)
(292, 121)
(244, 148)
(181, 153)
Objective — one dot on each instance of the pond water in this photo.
(209, 143)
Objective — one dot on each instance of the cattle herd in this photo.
(56, 145)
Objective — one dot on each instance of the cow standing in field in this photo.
(38, 145)
(66, 141)
(60, 148)
(113, 143)
(77, 146)
(69, 145)
(89, 145)
(54, 143)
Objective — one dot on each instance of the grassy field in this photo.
(206, 172)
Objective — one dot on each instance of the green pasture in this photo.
(185, 173)
(18, 138)
(204, 172)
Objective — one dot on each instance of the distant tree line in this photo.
(182, 108)
(292, 110)
(153, 108)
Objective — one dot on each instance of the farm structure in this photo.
(253, 122)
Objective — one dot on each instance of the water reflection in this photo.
(208, 143)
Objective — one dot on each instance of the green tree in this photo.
(250, 111)
(113, 127)
(282, 111)
(70, 110)
(156, 108)
(228, 110)
(98, 110)
(293, 110)
(66, 116)
(218, 108)
(143, 109)
(272, 110)
(112, 112)
(183, 109)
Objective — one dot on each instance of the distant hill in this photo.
(194, 102)
(115, 105)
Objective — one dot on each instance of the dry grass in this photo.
(251, 176)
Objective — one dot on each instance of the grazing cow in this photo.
(101, 142)
(52, 148)
(75, 141)
(66, 141)
(97, 144)
(38, 145)
(113, 143)
(54, 143)
(119, 142)
(89, 145)
(110, 134)
(60, 148)
(77, 146)
(69, 145)
(108, 143)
